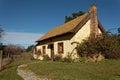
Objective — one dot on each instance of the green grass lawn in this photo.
(10, 73)
(106, 70)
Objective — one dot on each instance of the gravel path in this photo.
(27, 74)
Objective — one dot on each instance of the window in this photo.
(60, 48)
(44, 49)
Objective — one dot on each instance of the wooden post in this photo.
(1, 53)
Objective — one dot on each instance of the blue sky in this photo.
(24, 21)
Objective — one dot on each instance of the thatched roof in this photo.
(64, 28)
(70, 27)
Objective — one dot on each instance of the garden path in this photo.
(26, 74)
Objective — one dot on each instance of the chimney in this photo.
(93, 21)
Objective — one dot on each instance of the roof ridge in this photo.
(68, 22)
(64, 28)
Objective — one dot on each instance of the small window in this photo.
(60, 48)
(44, 50)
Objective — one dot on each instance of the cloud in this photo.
(20, 38)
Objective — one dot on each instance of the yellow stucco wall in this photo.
(83, 33)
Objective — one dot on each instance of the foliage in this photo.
(74, 15)
(77, 71)
(106, 44)
(80, 59)
(1, 32)
(46, 57)
(119, 30)
(68, 58)
(114, 55)
(27, 56)
(58, 58)
(11, 50)
(30, 48)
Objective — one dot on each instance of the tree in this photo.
(74, 15)
(119, 30)
(11, 50)
(1, 33)
(30, 48)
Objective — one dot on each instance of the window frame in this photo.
(44, 49)
(61, 45)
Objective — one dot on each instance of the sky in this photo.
(24, 21)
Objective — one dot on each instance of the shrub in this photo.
(106, 44)
(117, 54)
(81, 59)
(46, 58)
(114, 55)
(67, 59)
(58, 58)
(27, 55)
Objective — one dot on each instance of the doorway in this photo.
(51, 46)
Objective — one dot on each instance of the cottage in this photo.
(58, 41)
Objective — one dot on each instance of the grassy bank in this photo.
(106, 70)
(10, 73)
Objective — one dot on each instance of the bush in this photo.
(27, 55)
(106, 44)
(58, 58)
(81, 59)
(67, 59)
(46, 58)
(114, 55)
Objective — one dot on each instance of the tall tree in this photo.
(1, 32)
(74, 15)
(119, 30)
(30, 48)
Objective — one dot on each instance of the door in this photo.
(52, 51)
